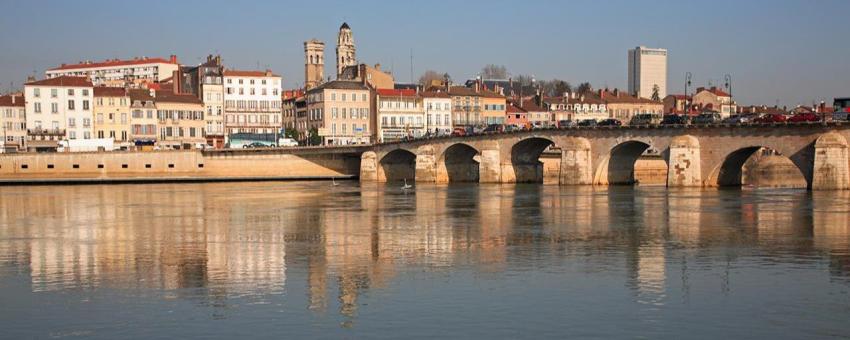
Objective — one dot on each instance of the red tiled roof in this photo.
(237, 73)
(514, 109)
(7, 100)
(435, 94)
(166, 96)
(396, 93)
(715, 91)
(63, 81)
(104, 91)
(115, 62)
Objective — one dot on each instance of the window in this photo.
(85, 105)
(72, 122)
(70, 105)
(99, 118)
(86, 93)
(37, 107)
(364, 97)
(54, 93)
(36, 92)
(86, 122)
(343, 97)
(70, 92)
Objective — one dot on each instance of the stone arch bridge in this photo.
(696, 156)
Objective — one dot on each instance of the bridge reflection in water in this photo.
(220, 244)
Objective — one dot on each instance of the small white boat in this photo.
(406, 186)
(333, 182)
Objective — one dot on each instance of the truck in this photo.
(86, 145)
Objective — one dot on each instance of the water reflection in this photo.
(219, 242)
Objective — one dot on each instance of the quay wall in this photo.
(187, 165)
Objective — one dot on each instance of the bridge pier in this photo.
(576, 165)
(831, 163)
(684, 168)
(490, 168)
(426, 165)
(369, 167)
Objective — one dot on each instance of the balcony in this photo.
(45, 132)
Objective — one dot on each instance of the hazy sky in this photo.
(790, 51)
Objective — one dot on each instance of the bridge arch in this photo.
(525, 159)
(772, 168)
(619, 168)
(398, 165)
(461, 163)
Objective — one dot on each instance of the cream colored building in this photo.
(647, 69)
(252, 102)
(401, 115)
(143, 128)
(13, 122)
(341, 111)
(116, 72)
(180, 120)
(112, 115)
(715, 99)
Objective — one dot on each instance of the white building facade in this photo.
(400, 115)
(13, 122)
(116, 72)
(252, 102)
(438, 113)
(58, 109)
(647, 69)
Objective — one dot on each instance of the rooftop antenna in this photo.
(411, 65)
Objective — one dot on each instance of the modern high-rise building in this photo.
(647, 69)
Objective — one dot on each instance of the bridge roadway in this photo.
(696, 155)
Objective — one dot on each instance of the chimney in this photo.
(617, 93)
(477, 85)
(601, 94)
(13, 98)
(176, 81)
(173, 59)
(378, 67)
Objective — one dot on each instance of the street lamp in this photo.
(729, 87)
(688, 76)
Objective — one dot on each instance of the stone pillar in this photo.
(576, 166)
(369, 167)
(831, 163)
(683, 166)
(426, 164)
(490, 168)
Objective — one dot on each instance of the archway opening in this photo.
(630, 163)
(758, 166)
(461, 163)
(530, 157)
(399, 165)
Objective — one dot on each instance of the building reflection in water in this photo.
(217, 242)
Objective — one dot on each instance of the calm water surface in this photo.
(305, 259)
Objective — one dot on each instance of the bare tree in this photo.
(429, 76)
(584, 87)
(555, 87)
(491, 71)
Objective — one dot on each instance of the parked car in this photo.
(706, 118)
(771, 118)
(645, 119)
(587, 122)
(610, 122)
(566, 123)
(512, 128)
(494, 128)
(804, 117)
(459, 132)
(740, 119)
(675, 119)
(840, 116)
(287, 142)
(256, 145)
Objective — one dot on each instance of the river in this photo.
(309, 259)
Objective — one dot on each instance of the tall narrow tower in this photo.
(314, 63)
(345, 54)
